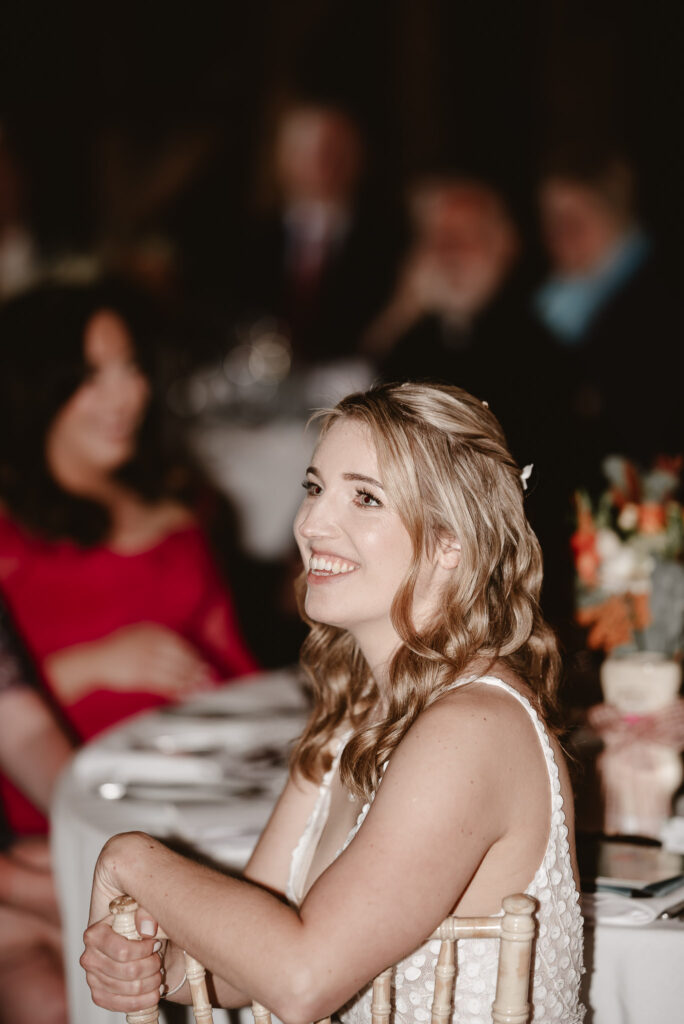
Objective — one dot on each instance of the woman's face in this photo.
(97, 428)
(578, 227)
(354, 545)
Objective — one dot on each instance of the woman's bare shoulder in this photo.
(475, 723)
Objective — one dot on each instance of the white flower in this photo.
(619, 562)
(629, 517)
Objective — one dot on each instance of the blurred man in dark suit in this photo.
(460, 310)
(323, 260)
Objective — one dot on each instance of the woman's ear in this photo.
(448, 551)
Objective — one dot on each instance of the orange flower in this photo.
(583, 543)
(612, 623)
(587, 564)
(651, 517)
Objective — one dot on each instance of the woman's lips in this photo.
(323, 568)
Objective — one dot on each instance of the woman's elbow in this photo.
(305, 997)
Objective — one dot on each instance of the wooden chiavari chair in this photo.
(515, 930)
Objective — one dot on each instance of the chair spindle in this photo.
(260, 1013)
(511, 1003)
(201, 1007)
(445, 972)
(381, 1006)
(123, 910)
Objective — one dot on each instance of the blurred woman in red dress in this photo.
(107, 573)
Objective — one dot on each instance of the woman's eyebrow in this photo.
(349, 476)
(363, 479)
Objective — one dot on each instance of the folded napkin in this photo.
(611, 908)
(98, 764)
(672, 835)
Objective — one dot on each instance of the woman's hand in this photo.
(145, 655)
(123, 974)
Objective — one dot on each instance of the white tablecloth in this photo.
(634, 975)
(260, 465)
(246, 743)
(260, 468)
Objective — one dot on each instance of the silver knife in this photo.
(674, 911)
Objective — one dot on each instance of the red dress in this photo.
(61, 594)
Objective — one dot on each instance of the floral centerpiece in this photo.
(628, 550)
(629, 561)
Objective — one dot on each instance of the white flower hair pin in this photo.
(526, 474)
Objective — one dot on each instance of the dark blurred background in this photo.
(143, 137)
(94, 96)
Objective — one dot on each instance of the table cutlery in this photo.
(218, 713)
(177, 792)
(676, 910)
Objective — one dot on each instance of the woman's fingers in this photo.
(101, 939)
(146, 925)
(173, 665)
(123, 975)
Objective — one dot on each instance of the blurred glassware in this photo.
(638, 781)
(640, 682)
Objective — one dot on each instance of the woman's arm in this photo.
(33, 747)
(27, 887)
(143, 656)
(268, 866)
(443, 804)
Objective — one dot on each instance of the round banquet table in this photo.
(205, 774)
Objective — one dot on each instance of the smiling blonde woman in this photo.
(427, 780)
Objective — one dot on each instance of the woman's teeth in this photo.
(334, 566)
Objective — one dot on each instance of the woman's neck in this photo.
(81, 479)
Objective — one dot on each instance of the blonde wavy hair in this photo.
(447, 471)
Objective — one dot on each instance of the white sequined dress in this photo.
(558, 949)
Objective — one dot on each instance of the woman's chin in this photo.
(111, 456)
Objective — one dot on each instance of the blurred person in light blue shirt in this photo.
(594, 243)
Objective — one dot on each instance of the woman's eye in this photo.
(368, 500)
(312, 488)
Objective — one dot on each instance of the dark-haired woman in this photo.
(107, 574)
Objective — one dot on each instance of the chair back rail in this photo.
(515, 929)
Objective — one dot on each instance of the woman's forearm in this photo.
(221, 992)
(73, 669)
(251, 942)
(26, 889)
(33, 747)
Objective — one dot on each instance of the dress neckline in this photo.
(557, 842)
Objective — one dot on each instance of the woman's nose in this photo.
(316, 518)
